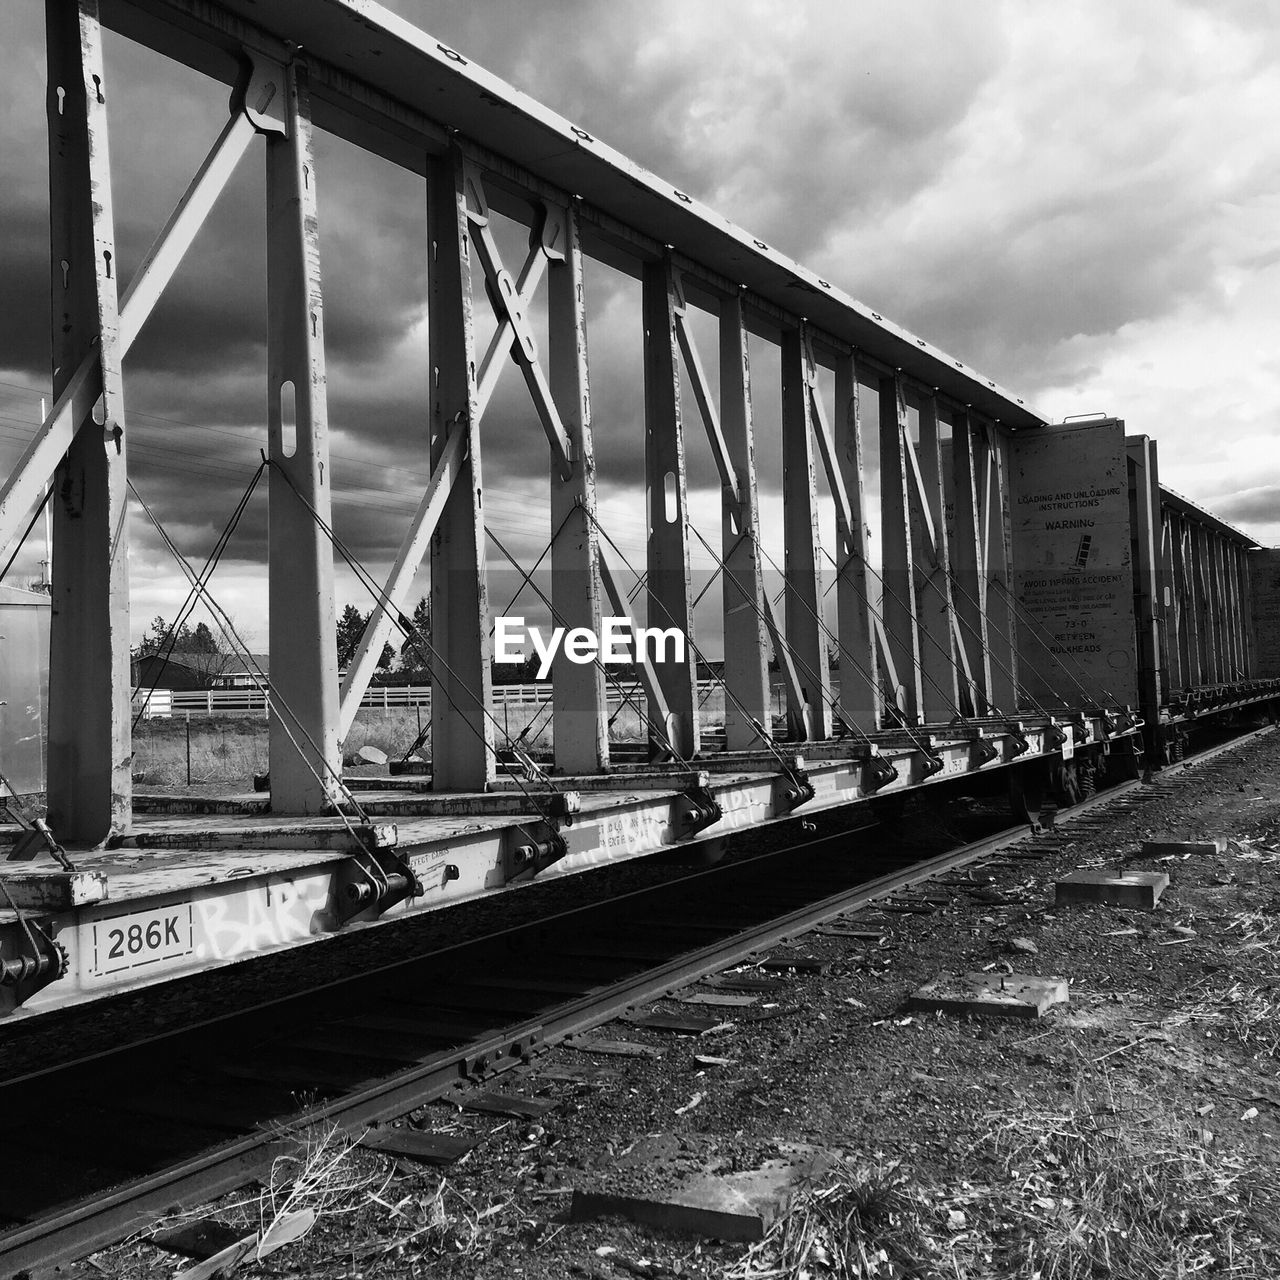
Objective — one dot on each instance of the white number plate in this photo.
(142, 938)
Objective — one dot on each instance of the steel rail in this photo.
(74, 1230)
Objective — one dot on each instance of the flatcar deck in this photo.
(201, 881)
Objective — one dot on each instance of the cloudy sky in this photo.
(1082, 200)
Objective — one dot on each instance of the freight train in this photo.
(1032, 606)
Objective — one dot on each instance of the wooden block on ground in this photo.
(1181, 848)
(746, 982)
(718, 999)
(801, 964)
(504, 1104)
(680, 1023)
(430, 1148)
(736, 1207)
(1013, 995)
(611, 1048)
(1138, 889)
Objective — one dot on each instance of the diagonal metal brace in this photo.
(510, 306)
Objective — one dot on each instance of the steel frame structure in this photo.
(572, 204)
(1201, 600)
(928, 645)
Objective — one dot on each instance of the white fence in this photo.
(163, 703)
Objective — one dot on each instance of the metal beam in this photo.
(305, 751)
(88, 747)
(462, 757)
(580, 720)
(898, 601)
(670, 601)
(1144, 514)
(745, 601)
(861, 696)
(967, 550)
(802, 547)
(997, 559)
(492, 364)
(511, 303)
(940, 663)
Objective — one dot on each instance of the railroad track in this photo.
(101, 1148)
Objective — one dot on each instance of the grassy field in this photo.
(231, 749)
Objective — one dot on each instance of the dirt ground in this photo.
(1131, 1133)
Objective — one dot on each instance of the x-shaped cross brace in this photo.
(511, 299)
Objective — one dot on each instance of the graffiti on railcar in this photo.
(284, 909)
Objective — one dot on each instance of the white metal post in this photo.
(304, 748)
(746, 644)
(90, 790)
(580, 717)
(462, 757)
(861, 699)
(898, 602)
(670, 603)
(934, 607)
(801, 565)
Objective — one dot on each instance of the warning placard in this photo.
(1072, 571)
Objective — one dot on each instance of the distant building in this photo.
(183, 670)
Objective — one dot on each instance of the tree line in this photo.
(209, 655)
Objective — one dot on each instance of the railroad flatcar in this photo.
(1029, 601)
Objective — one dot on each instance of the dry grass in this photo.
(1119, 1188)
(442, 1224)
(1098, 1189)
(228, 749)
(316, 1172)
(863, 1221)
(1249, 1014)
(313, 1178)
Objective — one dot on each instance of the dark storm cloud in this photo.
(785, 121)
(24, 267)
